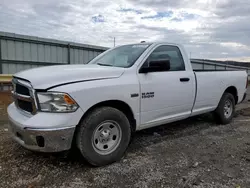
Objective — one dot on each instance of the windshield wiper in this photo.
(103, 64)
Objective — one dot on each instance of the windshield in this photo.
(123, 56)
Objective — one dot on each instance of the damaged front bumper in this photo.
(43, 132)
(42, 140)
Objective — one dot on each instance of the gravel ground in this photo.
(190, 153)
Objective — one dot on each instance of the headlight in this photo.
(56, 102)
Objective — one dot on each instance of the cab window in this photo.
(168, 52)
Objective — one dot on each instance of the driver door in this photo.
(166, 95)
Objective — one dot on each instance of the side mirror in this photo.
(157, 66)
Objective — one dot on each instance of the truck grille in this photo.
(20, 89)
(24, 105)
(23, 97)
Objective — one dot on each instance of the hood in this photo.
(49, 76)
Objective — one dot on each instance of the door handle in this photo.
(184, 79)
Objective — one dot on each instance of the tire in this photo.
(99, 128)
(222, 114)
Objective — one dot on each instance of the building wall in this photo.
(208, 65)
(20, 52)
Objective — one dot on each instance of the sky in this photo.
(209, 29)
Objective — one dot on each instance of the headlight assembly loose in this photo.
(56, 102)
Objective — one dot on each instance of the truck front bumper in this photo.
(49, 140)
(43, 132)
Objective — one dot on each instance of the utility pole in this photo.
(114, 41)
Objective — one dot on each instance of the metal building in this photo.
(20, 52)
(208, 65)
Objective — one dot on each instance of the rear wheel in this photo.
(226, 109)
(103, 136)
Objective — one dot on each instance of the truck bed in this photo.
(210, 85)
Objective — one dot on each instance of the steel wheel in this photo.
(106, 137)
(228, 108)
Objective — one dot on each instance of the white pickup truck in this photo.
(97, 106)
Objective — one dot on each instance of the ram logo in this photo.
(148, 95)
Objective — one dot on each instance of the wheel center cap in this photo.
(105, 133)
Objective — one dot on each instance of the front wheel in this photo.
(103, 136)
(226, 109)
